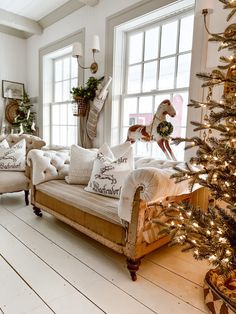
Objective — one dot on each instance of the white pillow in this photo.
(13, 158)
(109, 174)
(4, 144)
(81, 161)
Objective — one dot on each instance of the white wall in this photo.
(92, 18)
(94, 21)
(12, 63)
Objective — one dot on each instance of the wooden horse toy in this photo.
(150, 132)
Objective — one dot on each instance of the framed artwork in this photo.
(13, 90)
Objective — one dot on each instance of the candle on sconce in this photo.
(77, 49)
(96, 43)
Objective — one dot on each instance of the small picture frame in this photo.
(12, 90)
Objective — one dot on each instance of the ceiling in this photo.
(24, 18)
(33, 9)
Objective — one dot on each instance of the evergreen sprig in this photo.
(211, 234)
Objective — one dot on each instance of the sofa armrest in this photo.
(47, 165)
(155, 184)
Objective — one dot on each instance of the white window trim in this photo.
(43, 52)
(198, 64)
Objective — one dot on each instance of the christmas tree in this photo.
(25, 119)
(211, 235)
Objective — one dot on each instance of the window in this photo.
(58, 73)
(63, 127)
(156, 66)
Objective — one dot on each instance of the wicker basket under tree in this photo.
(83, 94)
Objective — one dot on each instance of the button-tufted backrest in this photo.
(31, 140)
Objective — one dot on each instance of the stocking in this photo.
(95, 108)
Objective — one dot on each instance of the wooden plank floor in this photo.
(48, 267)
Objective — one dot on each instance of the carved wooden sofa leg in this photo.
(133, 266)
(37, 211)
(26, 197)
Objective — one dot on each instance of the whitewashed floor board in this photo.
(48, 267)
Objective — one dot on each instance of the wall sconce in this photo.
(77, 52)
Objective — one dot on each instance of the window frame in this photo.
(199, 58)
(177, 17)
(63, 102)
(46, 56)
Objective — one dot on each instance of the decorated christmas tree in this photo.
(211, 235)
(25, 119)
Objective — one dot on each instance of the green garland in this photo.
(165, 128)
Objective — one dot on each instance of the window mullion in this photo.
(177, 53)
(142, 64)
(159, 58)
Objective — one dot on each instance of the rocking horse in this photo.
(157, 130)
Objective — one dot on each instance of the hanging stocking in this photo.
(95, 108)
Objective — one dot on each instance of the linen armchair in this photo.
(15, 181)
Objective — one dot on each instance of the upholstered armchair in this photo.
(15, 181)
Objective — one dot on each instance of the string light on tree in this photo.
(25, 119)
(212, 234)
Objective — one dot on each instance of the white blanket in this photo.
(154, 177)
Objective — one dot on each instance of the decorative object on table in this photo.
(211, 235)
(77, 52)
(95, 109)
(159, 129)
(12, 90)
(25, 118)
(83, 94)
(12, 107)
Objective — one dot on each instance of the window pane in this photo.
(135, 48)
(134, 79)
(63, 135)
(157, 152)
(56, 114)
(66, 68)
(178, 150)
(145, 104)
(180, 102)
(63, 114)
(72, 135)
(186, 34)
(184, 64)
(72, 120)
(58, 92)
(130, 111)
(159, 99)
(58, 70)
(151, 43)
(168, 39)
(73, 83)
(56, 135)
(74, 67)
(167, 71)
(149, 76)
(124, 134)
(66, 90)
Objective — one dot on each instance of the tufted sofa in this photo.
(14, 181)
(124, 225)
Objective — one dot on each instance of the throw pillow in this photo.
(4, 144)
(109, 174)
(81, 161)
(13, 158)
